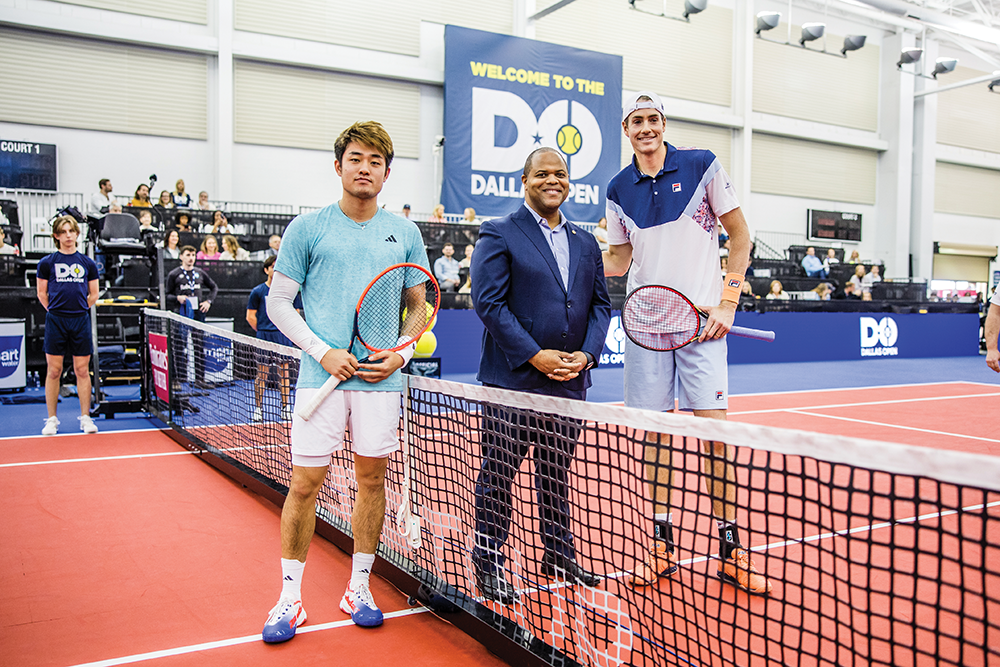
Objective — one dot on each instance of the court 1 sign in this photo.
(878, 337)
(505, 97)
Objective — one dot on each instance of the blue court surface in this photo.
(23, 414)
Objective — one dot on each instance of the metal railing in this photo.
(773, 245)
(34, 210)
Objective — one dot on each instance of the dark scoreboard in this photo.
(27, 166)
(834, 226)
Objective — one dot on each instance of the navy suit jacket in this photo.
(519, 295)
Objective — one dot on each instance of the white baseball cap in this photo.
(633, 104)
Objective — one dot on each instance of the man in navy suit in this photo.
(541, 293)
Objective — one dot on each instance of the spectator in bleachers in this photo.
(165, 201)
(777, 291)
(855, 258)
(821, 292)
(866, 296)
(724, 248)
(858, 279)
(181, 198)
(813, 265)
(601, 234)
(115, 207)
(406, 211)
(141, 197)
(273, 245)
(830, 259)
(209, 248)
(232, 251)
(183, 222)
(724, 263)
(747, 290)
(185, 289)
(203, 203)
(437, 215)
(464, 273)
(871, 278)
(100, 202)
(446, 269)
(469, 217)
(848, 293)
(220, 225)
(171, 244)
(6, 249)
(146, 221)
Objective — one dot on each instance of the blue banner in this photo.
(506, 96)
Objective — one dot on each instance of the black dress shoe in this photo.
(559, 567)
(494, 586)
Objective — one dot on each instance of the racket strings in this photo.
(660, 318)
(395, 308)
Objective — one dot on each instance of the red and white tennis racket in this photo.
(661, 318)
(395, 310)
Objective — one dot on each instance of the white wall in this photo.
(84, 157)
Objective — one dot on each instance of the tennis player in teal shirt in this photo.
(331, 255)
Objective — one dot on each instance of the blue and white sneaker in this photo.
(282, 621)
(360, 605)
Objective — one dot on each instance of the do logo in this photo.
(565, 124)
(615, 340)
(884, 332)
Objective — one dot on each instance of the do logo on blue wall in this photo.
(878, 338)
(614, 344)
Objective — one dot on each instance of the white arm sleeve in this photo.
(282, 313)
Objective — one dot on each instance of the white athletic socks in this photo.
(291, 578)
(361, 569)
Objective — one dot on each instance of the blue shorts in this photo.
(68, 334)
(268, 358)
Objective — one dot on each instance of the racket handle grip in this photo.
(756, 334)
(306, 411)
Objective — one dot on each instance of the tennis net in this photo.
(879, 554)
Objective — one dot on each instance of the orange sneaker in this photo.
(659, 563)
(739, 571)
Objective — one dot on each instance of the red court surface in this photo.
(125, 549)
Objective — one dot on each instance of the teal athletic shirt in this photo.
(334, 259)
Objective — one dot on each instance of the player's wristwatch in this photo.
(590, 361)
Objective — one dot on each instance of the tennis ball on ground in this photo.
(426, 345)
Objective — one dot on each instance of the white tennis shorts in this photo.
(697, 375)
(372, 415)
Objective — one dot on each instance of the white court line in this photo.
(862, 404)
(83, 435)
(137, 456)
(864, 387)
(898, 426)
(235, 641)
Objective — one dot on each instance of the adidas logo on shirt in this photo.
(391, 239)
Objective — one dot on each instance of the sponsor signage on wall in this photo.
(506, 96)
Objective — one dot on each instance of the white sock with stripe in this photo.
(361, 568)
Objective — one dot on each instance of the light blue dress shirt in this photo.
(558, 240)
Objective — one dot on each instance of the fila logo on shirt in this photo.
(71, 273)
(677, 187)
(391, 238)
